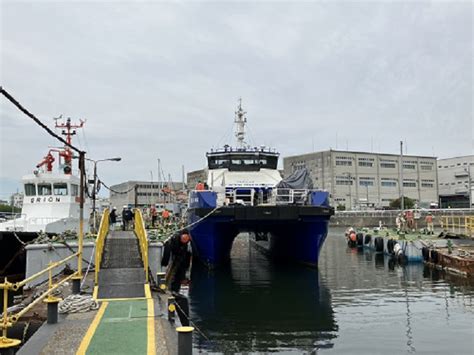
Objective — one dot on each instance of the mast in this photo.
(68, 130)
(240, 120)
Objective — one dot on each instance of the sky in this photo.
(161, 80)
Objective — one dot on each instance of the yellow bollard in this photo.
(7, 344)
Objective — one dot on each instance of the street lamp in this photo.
(94, 192)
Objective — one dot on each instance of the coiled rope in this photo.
(77, 304)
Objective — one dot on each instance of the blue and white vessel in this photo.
(244, 193)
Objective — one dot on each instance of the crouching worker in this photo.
(178, 249)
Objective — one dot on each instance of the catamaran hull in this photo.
(290, 233)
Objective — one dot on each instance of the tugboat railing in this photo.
(140, 232)
(100, 242)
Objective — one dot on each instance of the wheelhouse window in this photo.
(30, 189)
(242, 162)
(74, 190)
(44, 189)
(60, 189)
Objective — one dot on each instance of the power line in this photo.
(114, 191)
(34, 118)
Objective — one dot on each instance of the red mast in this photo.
(68, 130)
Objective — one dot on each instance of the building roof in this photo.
(360, 152)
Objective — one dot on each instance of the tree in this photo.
(8, 208)
(408, 203)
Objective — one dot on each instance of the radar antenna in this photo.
(240, 120)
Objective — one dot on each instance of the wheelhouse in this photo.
(242, 159)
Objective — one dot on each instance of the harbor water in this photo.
(357, 302)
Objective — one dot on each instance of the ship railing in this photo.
(287, 196)
(100, 242)
(140, 232)
(8, 319)
(462, 225)
(7, 216)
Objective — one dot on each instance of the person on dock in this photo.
(154, 215)
(112, 219)
(127, 217)
(178, 249)
(429, 223)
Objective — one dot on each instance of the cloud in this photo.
(161, 80)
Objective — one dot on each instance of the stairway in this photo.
(121, 273)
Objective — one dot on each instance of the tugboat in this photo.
(50, 205)
(245, 192)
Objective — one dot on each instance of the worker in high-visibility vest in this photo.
(200, 186)
(429, 223)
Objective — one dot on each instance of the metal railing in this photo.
(140, 232)
(284, 196)
(8, 320)
(458, 224)
(100, 242)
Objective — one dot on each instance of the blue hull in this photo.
(298, 240)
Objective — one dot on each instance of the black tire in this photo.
(426, 253)
(378, 244)
(390, 245)
(360, 239)
(434, 256)
(367, 239)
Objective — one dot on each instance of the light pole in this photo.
(469, 189)
(349, 178)
(94, 192)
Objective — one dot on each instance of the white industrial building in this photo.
(359, 180)
(455, 182)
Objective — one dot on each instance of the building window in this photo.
(366, 181)
(409, 166)
(366, 162)
(344, 161)
(427, 183)
(343, 180)
(426, 167)
(386, 182)
(388, 163)
(409, 183)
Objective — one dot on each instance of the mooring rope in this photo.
(77, 304)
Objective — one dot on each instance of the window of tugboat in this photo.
(30, 189)
(74, 190)
(60, 189)
(44, 189)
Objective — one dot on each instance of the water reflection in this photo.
(253, 305)
(357, 302)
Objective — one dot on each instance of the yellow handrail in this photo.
(100, 242)
(8, 320)
(458, 224)
(140, 232)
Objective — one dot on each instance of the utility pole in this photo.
(158, 180)
(402, 198)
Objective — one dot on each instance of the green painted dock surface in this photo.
(122, 329)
